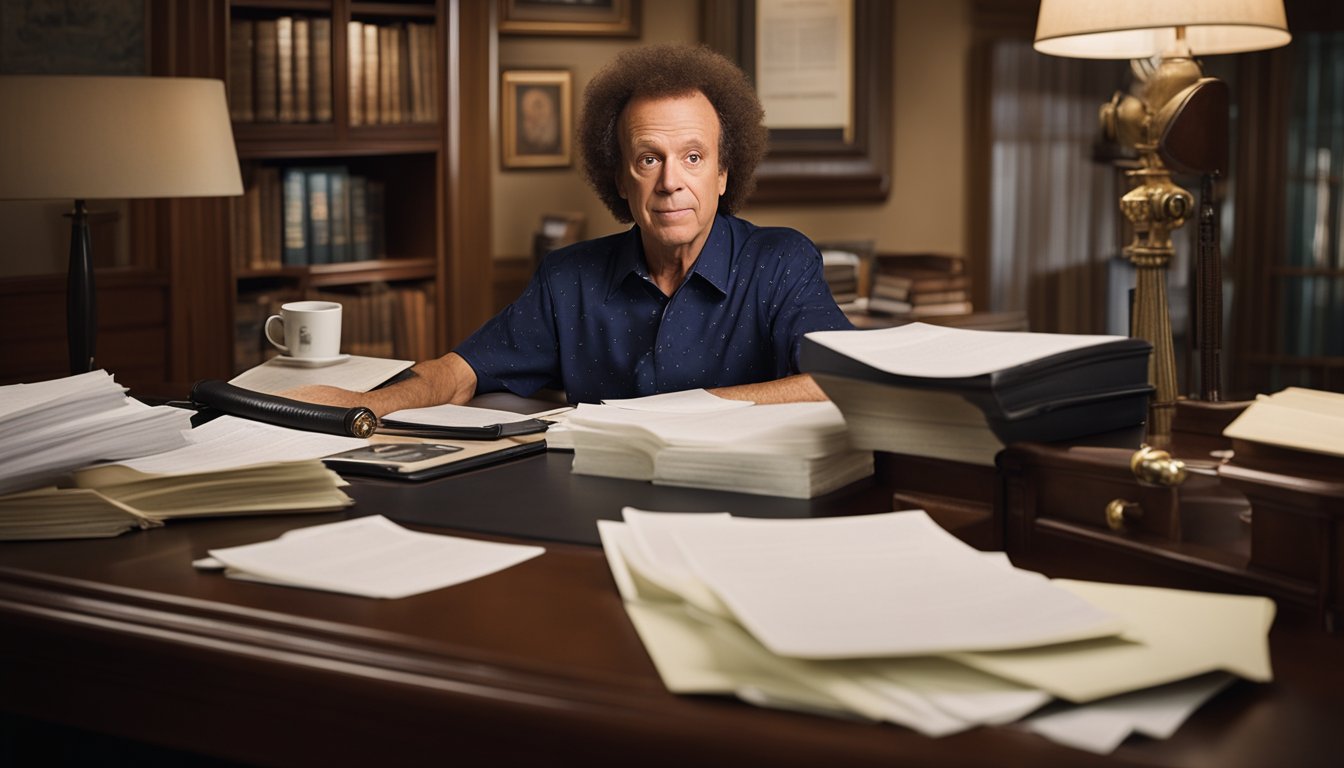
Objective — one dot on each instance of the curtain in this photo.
(1054, 210)
(1313, 285)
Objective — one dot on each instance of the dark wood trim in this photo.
(801, 167)
(190, 237)
(991, 20)
(1258, 232)
(133, 312)
(464, 288)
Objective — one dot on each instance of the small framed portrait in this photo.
(601, 18)
(536, 121)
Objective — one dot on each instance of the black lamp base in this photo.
(81, 312)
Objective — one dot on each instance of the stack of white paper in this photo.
(228, 466)
(53, 427)
(797, 450)
(890, 618)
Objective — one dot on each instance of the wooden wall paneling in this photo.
(188, 38)
(132, 320)
(464, 290)
(1258, 231)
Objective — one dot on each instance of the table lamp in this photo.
(1176, 120)
(82, 138)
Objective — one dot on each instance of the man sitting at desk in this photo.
(688, 297)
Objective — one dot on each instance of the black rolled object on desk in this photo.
(281, 411)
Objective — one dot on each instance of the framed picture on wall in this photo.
(603, 18)
(536, 121)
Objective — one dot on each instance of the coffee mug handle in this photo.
(276, 321)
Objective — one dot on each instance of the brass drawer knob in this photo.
(1119, 512)
(1157, 467)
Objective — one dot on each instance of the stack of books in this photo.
(280, 71)
(919, 285)
(963, 395)
(889, 618)
(841, 270)
(794, 450)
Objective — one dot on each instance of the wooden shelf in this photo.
(397, 10)
(386, 270)
(1290, 271)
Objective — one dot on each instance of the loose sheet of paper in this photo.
(687, 401)
(935, 352)
(228, 442)
(878, 585)
(1101, 726)
(371, 557)
(448, 415)
(359, 374)
(1170, 635)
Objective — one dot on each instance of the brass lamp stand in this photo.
(1155, 207)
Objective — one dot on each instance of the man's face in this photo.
(670, 172)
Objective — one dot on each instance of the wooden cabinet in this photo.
(301, 114)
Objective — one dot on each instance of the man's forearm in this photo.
(790, 389)
(449, 379)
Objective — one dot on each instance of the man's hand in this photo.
(799, 388)
(448, 379)
(325, 395)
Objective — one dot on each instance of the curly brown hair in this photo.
(672, 70)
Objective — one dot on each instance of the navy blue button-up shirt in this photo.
(593, 324)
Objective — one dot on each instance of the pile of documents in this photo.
(52, 427)
(963, 395)
(1296, 418)
(890, 618)
(228, 466)
(795, 450)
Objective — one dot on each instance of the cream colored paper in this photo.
(1171, 635)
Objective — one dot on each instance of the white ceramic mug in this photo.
(306, 329)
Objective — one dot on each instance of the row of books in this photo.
(378, 320)
(392, 73)
(280, 71)
(919, 285)
(308, 215)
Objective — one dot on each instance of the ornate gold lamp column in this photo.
(1155, 207)
(1176, 30)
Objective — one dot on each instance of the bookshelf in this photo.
(338, 118)
(411, 262)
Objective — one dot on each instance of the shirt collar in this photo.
(713, 265)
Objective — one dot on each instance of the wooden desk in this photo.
(535, 665)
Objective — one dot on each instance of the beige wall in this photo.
(927, 206)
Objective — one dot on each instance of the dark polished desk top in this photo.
(537, 664)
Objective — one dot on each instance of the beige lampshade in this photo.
(1137, 29)
(115, 137)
